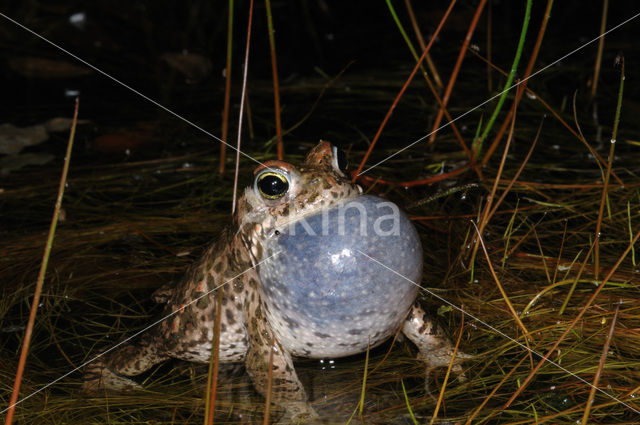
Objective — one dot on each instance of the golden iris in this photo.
(272, 185)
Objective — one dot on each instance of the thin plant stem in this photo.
(575, 281)
(573, 323)
(402, 90)
(432, 88)
(276, 84)
(227, 89)
(456, 68)
(512, 74)
(516, 318)
(360, 407)
(406, 400)
(542, 257)
(598, 64)
(517, 174)
(364, 382)
(242, 102)
(495, 390)
(557, 267)
(557, 116)
(525, 79)
(489, 44)
(484, 220)
(446, 376)
(633, 251)
(603, 358)
(28, 332)
(406, 38)
(418, 32)
(524, 237)
(607, 177)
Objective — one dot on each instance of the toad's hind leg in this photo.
(435, 348)
(111, 369)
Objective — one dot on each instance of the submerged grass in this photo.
(131, 227)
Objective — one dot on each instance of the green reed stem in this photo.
(406, 399)
(405, 36)
(507, 85)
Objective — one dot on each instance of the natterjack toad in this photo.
(309, 267)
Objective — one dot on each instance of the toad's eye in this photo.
(340, 162)
(272, 184)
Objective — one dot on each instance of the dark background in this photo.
(127, 38)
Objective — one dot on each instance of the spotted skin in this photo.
(232, 265)
(435, 348)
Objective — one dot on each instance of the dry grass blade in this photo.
(513, 181)
(43, 270)
(446, 377)
(559, 258)
(363, 389)
(576, 279)
(496, 388)
(486, 214)
(571, 325)
(526, 334)
(603, 358)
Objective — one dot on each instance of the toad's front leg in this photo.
(435, 348)
(111, 369)
(266, 353)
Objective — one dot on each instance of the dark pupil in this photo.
(342, 160)
(273, 185)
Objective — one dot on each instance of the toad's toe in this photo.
(98, 377)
